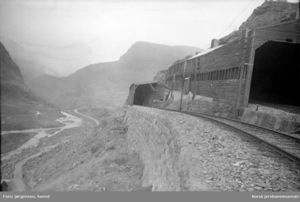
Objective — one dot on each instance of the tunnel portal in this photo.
(148, 94)
(141, 94)
(276, 74)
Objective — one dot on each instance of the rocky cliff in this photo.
(270, 12)
(20, 108)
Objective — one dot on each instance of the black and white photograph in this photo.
(150, 96)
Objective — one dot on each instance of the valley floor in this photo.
(144, 149)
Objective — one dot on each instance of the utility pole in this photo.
(182, 84)
(173, 84)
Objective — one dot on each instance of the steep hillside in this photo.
(270, 12)
(23, 59)
(108, 83)
(20, 108)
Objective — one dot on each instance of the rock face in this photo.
(270, 12)
(158, 144)
(19, 107)
(160, 77)
(108, 83)
(23, 58)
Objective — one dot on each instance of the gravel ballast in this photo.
(185, 153)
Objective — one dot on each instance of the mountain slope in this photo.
(108, 83)
(24, 60)
(270, 12)
(20, 108)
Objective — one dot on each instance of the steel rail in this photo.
(292, 153)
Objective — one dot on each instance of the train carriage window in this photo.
(233, 73)
(237, 72)
(245, 70)
(221, 75)
(229, 74)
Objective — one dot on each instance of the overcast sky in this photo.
(67, 34)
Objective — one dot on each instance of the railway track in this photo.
(285, 144)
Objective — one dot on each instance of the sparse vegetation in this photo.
(11, 142)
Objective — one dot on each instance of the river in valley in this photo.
(69, 121)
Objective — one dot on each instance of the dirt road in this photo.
(86, 116)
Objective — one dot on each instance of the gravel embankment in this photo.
(146, 149)
(182, 152)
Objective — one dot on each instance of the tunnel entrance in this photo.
(141, 94)
(149, 94)
(276, 74)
